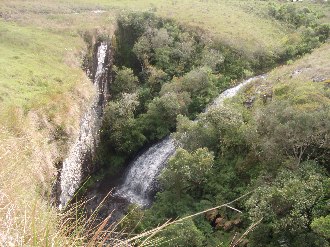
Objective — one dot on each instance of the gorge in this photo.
(143, 170)
(143, 123)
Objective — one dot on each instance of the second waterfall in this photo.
(144, 169)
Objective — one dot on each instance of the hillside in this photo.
(274, 149)
(44, 93)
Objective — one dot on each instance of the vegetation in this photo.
(39, 86)
(277, 148)
(170, 63)
(174, 72)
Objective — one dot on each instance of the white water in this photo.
(84, 145)
(145, 168)
(231, 92)
(143, 171)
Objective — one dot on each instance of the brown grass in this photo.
(42, 87)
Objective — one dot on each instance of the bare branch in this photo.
(250, 229)
(168, 223)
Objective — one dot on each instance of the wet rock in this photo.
(296, 72)
(79, 162)
(228, 226)
(244, 243)
(211, 215)
(225, 224)
(219, 223)
(319, 79)
(237, 221)
(249, 102)
(266, 97)
(299, 71)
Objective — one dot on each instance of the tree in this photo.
(228, 121)
(289, 204)
(142, 49)
(156, 79)
(192, 135)
(125, 82)
(161, 38)
(200, 83)
(212, 58)
(219, 129)
(322, 226)
(160, 118)
(187, 171)
(120, 129)
(284, 131)
(184, 234)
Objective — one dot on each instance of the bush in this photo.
(125, 82)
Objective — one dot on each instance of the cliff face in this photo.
(79, 161)
(101, 79)
(35, 137)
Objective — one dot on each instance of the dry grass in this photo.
(27, 157)
(43, 88)
(74, 228)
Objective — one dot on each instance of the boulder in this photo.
(219, 222)
(228, 225)
(211, 215)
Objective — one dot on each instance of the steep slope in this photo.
(270, 143)
(44, 92)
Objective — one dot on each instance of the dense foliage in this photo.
(305, 21)
(171, 70)
(278, 149)
(161, 71)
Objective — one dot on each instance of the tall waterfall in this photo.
(145, 168)
(84, 145)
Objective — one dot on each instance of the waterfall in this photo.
(145, 168)
(83, 147)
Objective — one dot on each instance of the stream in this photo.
(140, 180)
(139, 183)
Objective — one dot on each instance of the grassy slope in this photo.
(42, 86)
(301, 80)
(33, 67)
(42, 89)
(236, 23)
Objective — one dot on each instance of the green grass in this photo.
(33, 68)
(242, 24)
(42, 85)
(303, 82)
(235, 23)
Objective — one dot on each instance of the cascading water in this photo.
(72, 170)
(231, 92)
(145, 168)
